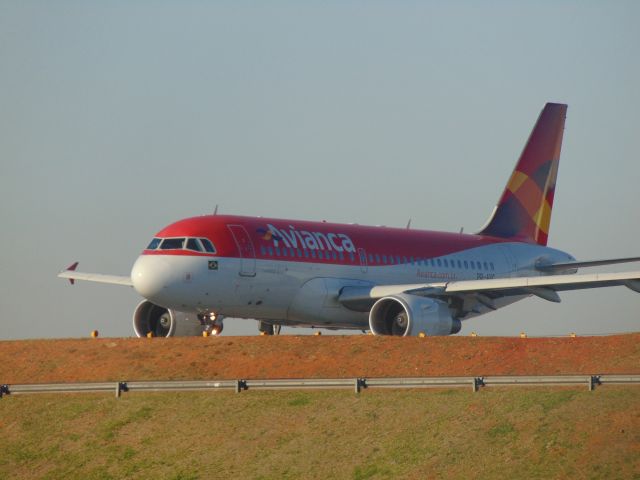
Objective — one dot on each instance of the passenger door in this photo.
(245, 249)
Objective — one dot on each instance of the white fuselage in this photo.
(306, 294)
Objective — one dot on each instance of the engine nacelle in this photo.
(162, 322)
(409, 315)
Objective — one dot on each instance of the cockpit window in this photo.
(208, 246)
(193, 244)
(172, 244)
(154, 244)
(201, 245)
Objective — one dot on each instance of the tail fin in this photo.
(524, 210)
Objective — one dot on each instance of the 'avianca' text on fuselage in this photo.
(389, 281)
(292, 238)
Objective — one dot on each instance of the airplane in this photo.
(389, 281)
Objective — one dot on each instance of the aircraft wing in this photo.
(72, 275)
(560, 267)
(545, 287)
(557, 283)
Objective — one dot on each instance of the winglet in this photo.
(72, 268)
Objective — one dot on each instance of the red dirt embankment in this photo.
(86, 360)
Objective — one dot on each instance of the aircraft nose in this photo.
(150, 275)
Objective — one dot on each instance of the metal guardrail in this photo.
(358, 384)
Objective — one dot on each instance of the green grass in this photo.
(496, 433)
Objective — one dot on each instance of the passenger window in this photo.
(473, 264)
(299, 252)
(193, 244)
(491, 265)
(466, 265)
(485, 266)
(154, 244)
(370, 258)
(352, 257)
(285, 253)
(208, 246)
(384, 259)
(439, 263)
(263, 250)
(433, 262)
(404, 259)
(320, 256)
(446, 262)
(271, 251)
(341, 255)
(306, 254)
(334, 255)
(377, 258)
(172, 244)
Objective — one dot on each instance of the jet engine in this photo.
(409, 315)
(162, 322)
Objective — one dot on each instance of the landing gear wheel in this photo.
(216, 329)
(268, 328)
(211, 323)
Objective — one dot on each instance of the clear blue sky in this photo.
(117, 118)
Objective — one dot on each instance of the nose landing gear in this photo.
(211, 323)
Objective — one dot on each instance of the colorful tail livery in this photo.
(524, 210)
(390, 281)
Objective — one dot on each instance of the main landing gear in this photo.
(269, 328)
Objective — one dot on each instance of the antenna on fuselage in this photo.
(461, 229)
(409, 224)
(215, 210)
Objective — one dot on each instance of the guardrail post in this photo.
(477, 383)
(360, 383)
(121, 387)
(593, 381)
(241, 385)
(4, 390)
